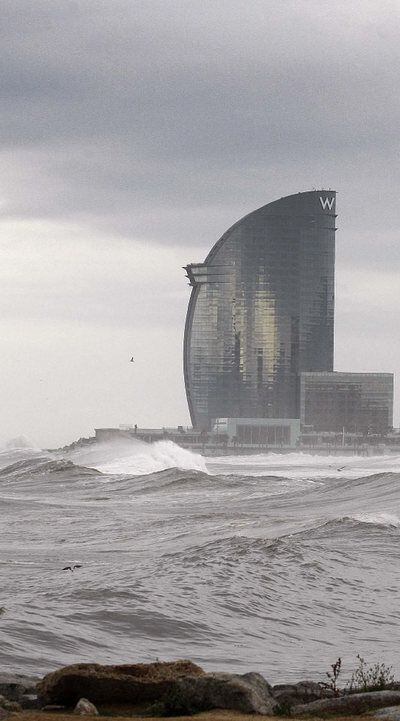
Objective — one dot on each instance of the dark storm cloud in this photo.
(168, 120)
(131, 124)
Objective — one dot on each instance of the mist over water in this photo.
(273, 563)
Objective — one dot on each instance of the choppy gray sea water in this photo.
(273, 563)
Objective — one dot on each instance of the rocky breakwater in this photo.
(183, 688)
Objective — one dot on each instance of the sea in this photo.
(275, 563)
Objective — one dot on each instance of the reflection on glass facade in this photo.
(261, 311)
(263, 435)
(357, 402)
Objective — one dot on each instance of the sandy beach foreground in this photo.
(216, 715)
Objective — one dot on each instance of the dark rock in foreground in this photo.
(13, 686)
(85, 708)
(391, 713)
(292, 694)
(12, 706)
(53, 708)
(355, 703)
(180, 686)
(249, 693)
(29, 700)
(125, 684)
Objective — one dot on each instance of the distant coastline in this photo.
(214, 445)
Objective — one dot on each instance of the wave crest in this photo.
(137, 458)
(43, 466)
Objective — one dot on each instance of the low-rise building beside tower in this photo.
(357, 402)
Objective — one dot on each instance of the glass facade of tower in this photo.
(261, 311)
(357, 402)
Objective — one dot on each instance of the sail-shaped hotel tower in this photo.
(262, 311)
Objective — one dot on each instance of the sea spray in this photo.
(135, 457)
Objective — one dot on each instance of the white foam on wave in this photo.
(137, 458)
(379, 519)
(19, 449)
(304, 465)
(20, 443)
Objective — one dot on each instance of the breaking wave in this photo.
(137, 458)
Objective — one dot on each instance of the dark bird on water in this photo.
(71, 568)
(132, 360)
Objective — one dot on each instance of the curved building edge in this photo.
(186, 342)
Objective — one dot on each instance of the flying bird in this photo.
(71, 568)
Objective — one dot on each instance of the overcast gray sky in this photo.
(133, 134)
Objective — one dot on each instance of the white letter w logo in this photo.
(327, 203)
